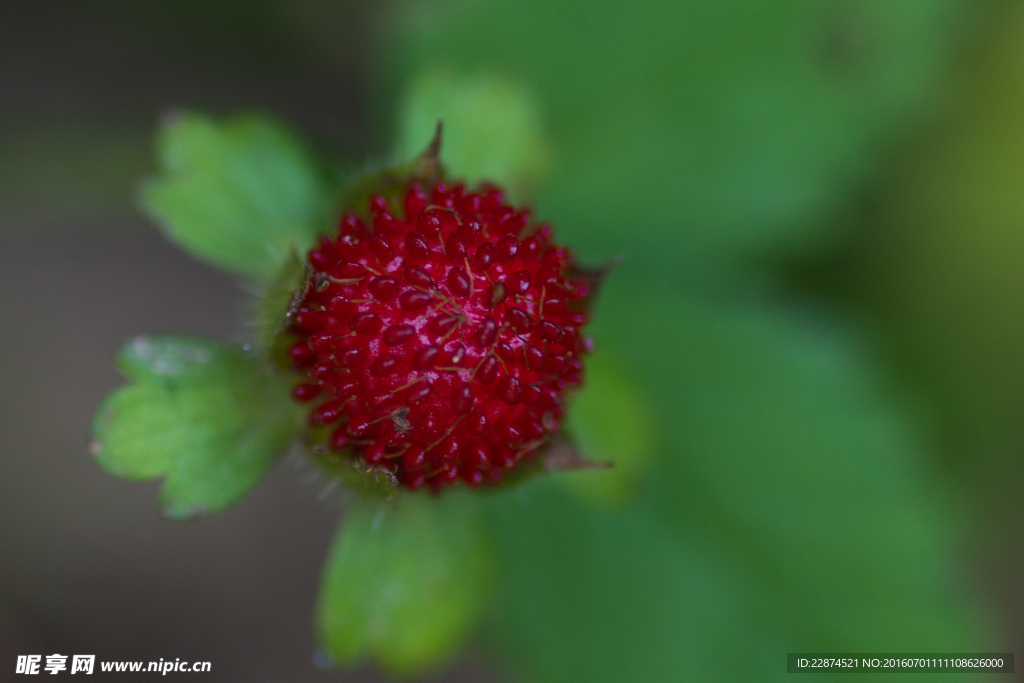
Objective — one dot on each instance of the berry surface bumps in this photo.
(437, 339)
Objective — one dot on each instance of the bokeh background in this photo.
(822, 205)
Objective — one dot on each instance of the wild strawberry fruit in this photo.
(439, 335)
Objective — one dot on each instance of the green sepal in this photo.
(391, 183)
(207, 417)
(277, 303)
(493, 127)
(240, 194)
(611, 420)
(405, 581)
(372, 483)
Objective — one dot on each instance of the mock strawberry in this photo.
(437, 337)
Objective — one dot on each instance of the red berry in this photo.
(444, 352)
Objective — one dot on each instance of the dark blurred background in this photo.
(927, 253)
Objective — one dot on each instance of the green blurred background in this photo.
(815, 343)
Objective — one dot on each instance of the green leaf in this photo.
(206, 417)
(790, 508)
(492, 129)
(405, 581)
(591, 594)
(680, 126)
(239, 194)
(610, 420)
(786, 453)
